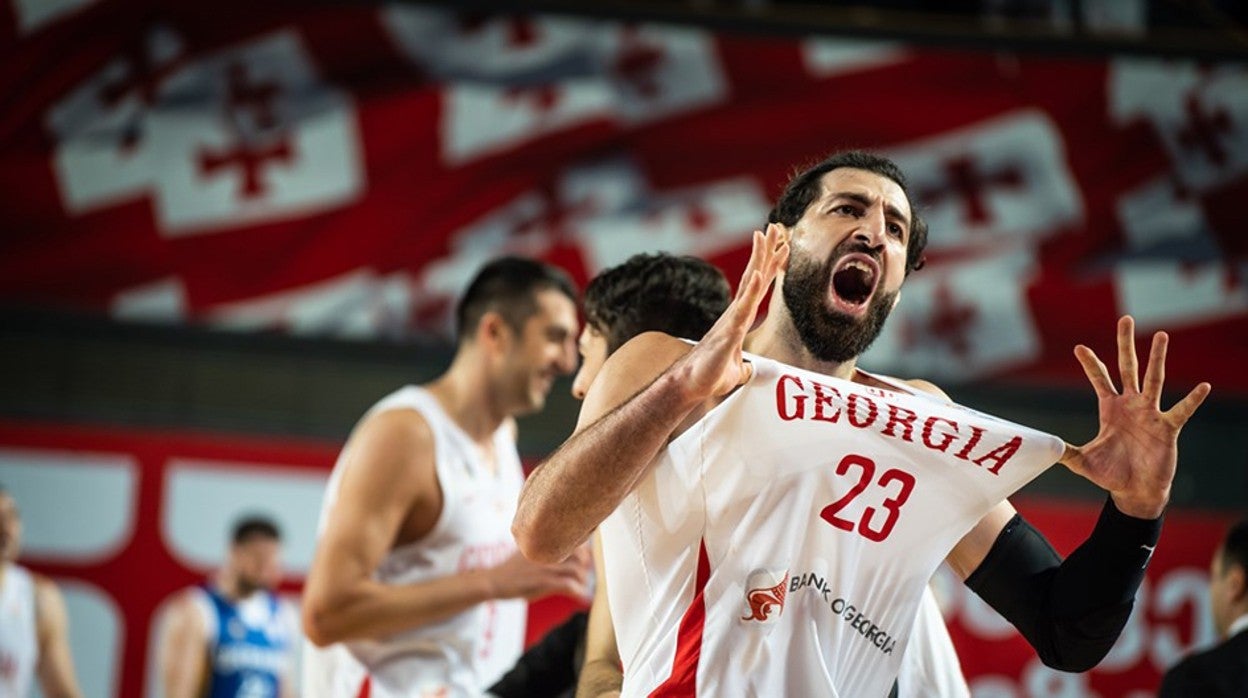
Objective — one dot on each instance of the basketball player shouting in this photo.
(778, 513)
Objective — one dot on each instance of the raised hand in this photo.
(1135, 451)
(715, 366)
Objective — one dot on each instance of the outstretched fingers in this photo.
(1128, 364)
(1185, 408)
(756, 252)
(1155, 372)
(1095, 370)
(768, 255)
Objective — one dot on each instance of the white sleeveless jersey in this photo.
(19, 635)
(462, 655)
(930, 666)
(781, 545)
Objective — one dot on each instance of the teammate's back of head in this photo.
(682, 296)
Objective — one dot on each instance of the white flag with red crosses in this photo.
(343, 171)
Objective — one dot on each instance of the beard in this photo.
(248, 586)
(830, 335)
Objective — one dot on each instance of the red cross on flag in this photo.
(963, 320)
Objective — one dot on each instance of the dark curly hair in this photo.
(682, 296)
(805, 187)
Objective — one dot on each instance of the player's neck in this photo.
(466, 397)
(777, 339)
(227, 583)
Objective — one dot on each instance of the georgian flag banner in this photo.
(343, 169)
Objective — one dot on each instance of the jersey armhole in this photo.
(207, 610)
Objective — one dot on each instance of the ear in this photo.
(493, 331)
(1237, 582)
(785, 234)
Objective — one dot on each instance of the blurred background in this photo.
(230, 227)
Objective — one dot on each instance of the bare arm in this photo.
(184, 660)
(286, 680)
(391, 473)
(621, 430)
(56, 666)
(623, 425)
(601, 676)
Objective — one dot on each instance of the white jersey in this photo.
(782, 543)
(930, 666)
(19, 635)
(462, 655)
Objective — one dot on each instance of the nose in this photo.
(580, 385)
(566, 363)
(872, 228)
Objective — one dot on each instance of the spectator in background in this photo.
(34, 629)
(1221, 670)
(232, 637)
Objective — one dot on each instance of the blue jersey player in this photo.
(233, 637)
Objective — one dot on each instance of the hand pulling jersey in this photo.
(780, 546)
(466, 653)
(19, 641)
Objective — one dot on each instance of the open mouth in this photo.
(853, 282)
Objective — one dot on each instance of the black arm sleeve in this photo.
(1071, 611)
(550, 667)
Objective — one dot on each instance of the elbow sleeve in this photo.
(1070, 611)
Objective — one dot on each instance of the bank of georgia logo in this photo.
(764, 595)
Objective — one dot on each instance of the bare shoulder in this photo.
(45, 588)
(630, 369)
(402, 424)
(49, 603)
(389, 440)
(185, 606)
(388, 469)
(644, 357)
(926, 387)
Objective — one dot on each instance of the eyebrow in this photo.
(889, 209)
(557, 333)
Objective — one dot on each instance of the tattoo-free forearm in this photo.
(574, 490)
(374, 609)
(599, 679)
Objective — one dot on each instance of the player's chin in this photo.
(534, 402)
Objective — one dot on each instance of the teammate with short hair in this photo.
(34, 628)
(416, 587)
(779, 513)
(679, 295)
(233, 637)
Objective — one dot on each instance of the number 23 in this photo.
(866, 468)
